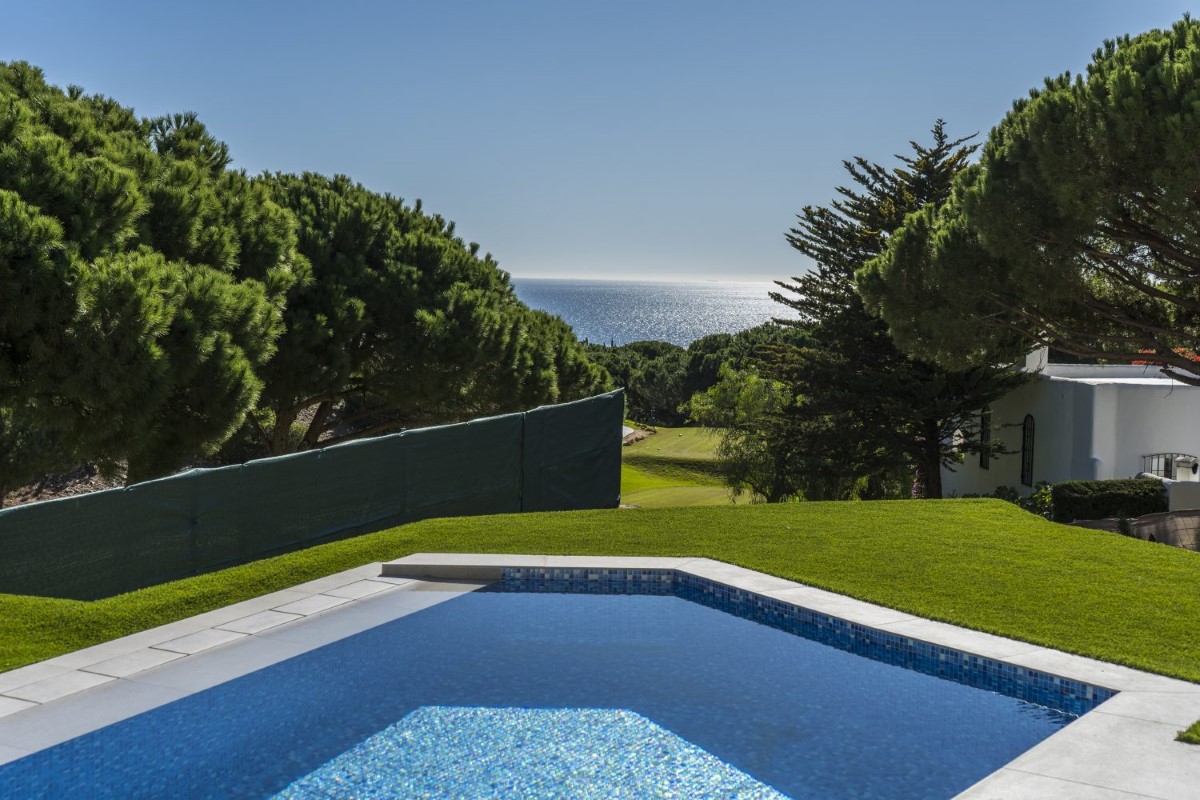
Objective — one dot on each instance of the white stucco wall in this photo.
(1091, 422)
(1155, 419)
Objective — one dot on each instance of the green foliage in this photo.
(1191, 735)
(152, 295)
(1040, 502)
(1121, 498)
(660, 378)
(400, 323)
(753, 456)
(1077, 229)
(864, 414)
(653, 374)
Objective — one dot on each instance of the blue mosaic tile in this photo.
(1040, 688)
(525, 754)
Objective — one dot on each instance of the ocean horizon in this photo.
(618, 312)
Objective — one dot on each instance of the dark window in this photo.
(1161, 464)
(985, 438)
(1027, 451)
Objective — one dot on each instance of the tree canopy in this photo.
(660, 378)
(1078, 229)
(156, 301)
(401, 323)
(861, 412)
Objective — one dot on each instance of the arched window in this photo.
(985, 438)
(1027, 451)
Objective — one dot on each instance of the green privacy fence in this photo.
(552, 458)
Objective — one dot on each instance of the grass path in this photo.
(983, 564)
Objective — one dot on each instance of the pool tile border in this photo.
(1123, 748)
(1033, 686)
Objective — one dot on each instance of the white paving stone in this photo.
(739, 577)
(1169, 708)
(202, 640)
(616, 562)
(11, 705)
(359, 589)
(8, 754)
(968, 641)
(1121, 753)
(128, 644)
(1011, 784)
(58, 686)
(847, 608)
(132, 663)
(1098, 673)
(313, 605)
(257, 623)
(460, 566)
(33, 673)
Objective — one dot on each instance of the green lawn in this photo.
(983, 564)
(696, 444)
(674, 467)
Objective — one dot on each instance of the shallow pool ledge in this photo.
(1123, 748)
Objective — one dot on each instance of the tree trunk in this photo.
(281, 433)
(317, 426)
(931, 459)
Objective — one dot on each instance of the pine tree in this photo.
(863, 409)
(1078, 228)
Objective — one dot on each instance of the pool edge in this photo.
(1124, 748)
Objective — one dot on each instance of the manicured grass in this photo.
(983, 564)
(1191, 735)
(697, 444)
(675, 467)
(676, 496)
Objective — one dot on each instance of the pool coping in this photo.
(1125, 748)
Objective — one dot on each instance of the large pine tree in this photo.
(864, 409)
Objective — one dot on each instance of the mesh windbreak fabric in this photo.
(559, 457)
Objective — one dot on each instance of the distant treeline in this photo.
(660, 378)
(158, 307)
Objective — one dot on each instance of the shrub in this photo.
(1113, 498)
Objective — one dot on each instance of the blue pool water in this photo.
(517, 694)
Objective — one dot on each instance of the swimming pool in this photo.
(580, 689)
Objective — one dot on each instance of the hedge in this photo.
(1130, 497)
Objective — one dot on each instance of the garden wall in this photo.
(552, 458)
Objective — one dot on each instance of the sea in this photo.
(619, 312)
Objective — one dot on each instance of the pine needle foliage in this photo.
(863, 416)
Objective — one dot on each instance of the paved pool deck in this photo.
(1125, 748)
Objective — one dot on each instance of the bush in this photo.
(1115, 498)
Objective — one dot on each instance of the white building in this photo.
(1083, 422)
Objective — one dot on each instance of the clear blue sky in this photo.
(622, 139)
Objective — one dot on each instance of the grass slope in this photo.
(689, 444)
(983, 564)
(674, 467)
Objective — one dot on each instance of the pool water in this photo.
(511, 694)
